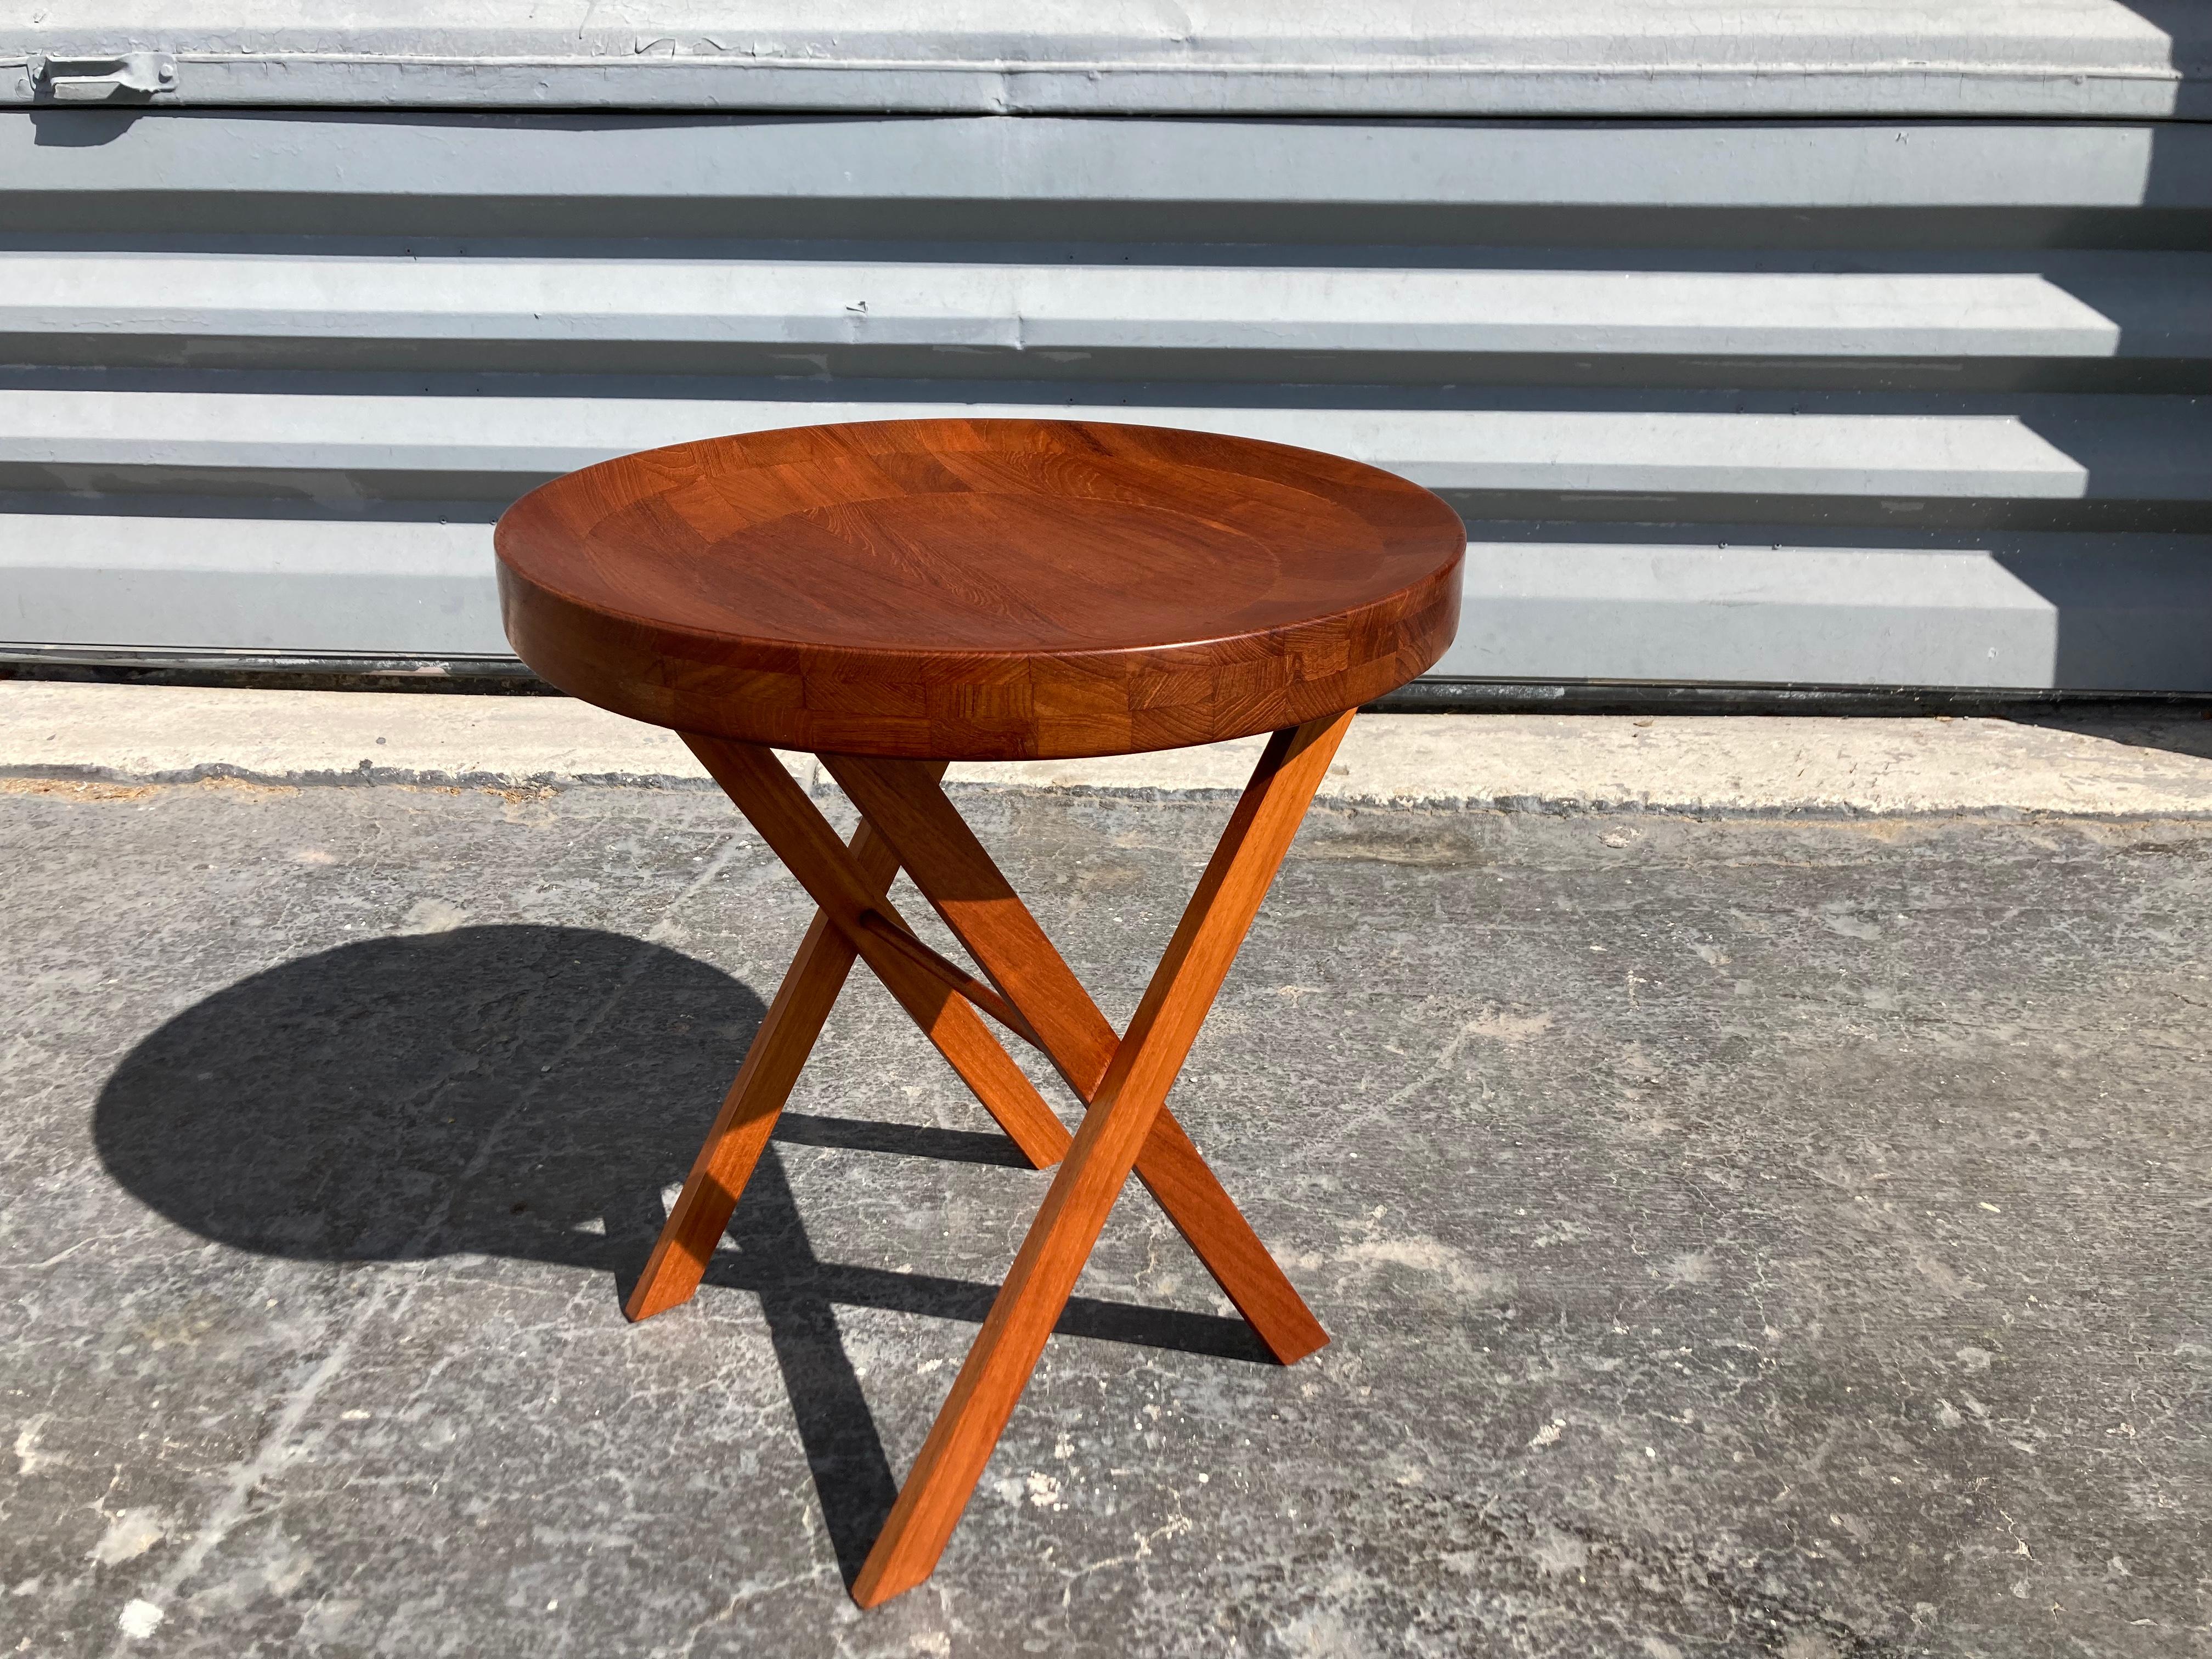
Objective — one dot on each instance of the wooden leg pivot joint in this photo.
(1123, 1081)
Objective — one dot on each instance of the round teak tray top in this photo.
(979, 590)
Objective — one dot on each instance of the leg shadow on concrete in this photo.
(530, 1092)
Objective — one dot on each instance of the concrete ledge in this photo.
(1513, 762)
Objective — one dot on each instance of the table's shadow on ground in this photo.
(530, 1092)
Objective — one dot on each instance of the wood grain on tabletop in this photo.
(980, 589)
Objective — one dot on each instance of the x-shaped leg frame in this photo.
(906, 819)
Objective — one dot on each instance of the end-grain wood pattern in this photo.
(980, 589)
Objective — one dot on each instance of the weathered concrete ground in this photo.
(1740, 1237)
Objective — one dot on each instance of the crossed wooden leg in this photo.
(1124, 1081)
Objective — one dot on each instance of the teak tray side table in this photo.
(894, 596)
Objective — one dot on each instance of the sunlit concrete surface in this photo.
(2085, 764)
(1739, 1234)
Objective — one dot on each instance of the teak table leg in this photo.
(1044, 993)
(1058, 1241)
(1124, 1082)
(787, 1036)
(902, 800)
(794, 828)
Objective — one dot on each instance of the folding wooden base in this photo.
(906, 819)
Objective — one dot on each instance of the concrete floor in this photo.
(1739, 1236)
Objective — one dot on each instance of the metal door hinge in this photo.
(98, 77)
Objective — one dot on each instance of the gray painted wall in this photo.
(1709, 58)
(1871, 402)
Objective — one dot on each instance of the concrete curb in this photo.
(1699, 764)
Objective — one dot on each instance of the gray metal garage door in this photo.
(1754, 348)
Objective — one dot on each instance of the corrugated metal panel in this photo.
(1428, 57)
(1853, 403)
